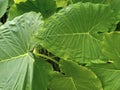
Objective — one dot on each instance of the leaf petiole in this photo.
(44, 56)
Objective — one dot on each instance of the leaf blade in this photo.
(76, 32)
(109, 72)
(75, 77)
(3, 7)
(45, 7)
(18, 65)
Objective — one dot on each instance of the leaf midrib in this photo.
(74, 34)
(14, 58)
(73, 83)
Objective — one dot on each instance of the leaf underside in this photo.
(19, 69)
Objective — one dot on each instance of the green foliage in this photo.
(113, 3)
(76, 78)
(46, 7)
(60, 45)
(115, 6)
(3, 7)
(19, 68)
(16, 36)
(77, 32)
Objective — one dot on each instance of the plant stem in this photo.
(44, 56)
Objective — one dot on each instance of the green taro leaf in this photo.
(11, 2)
(109, 73)
(111, 46)
(76, 32)
(0, 23)
(115, 5)
(19, 69)
(93, 1)
(75, 78)
(24, 73)
(3, 7)
(16, 36)
(45, 7)
(42, 74)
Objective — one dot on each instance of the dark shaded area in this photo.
(4, 18)
(109, 62)
(58, 9)
(118, 27)
(55, 66)
(49, 54)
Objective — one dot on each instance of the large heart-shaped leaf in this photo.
(76, 32)
(45, 7)
(76, 78)
(3, 7)
(109, 73)
(19, 69)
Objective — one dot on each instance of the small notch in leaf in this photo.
(100, 32)
(110, 62)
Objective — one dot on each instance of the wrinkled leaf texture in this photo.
(115, 5)
(19, 69)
